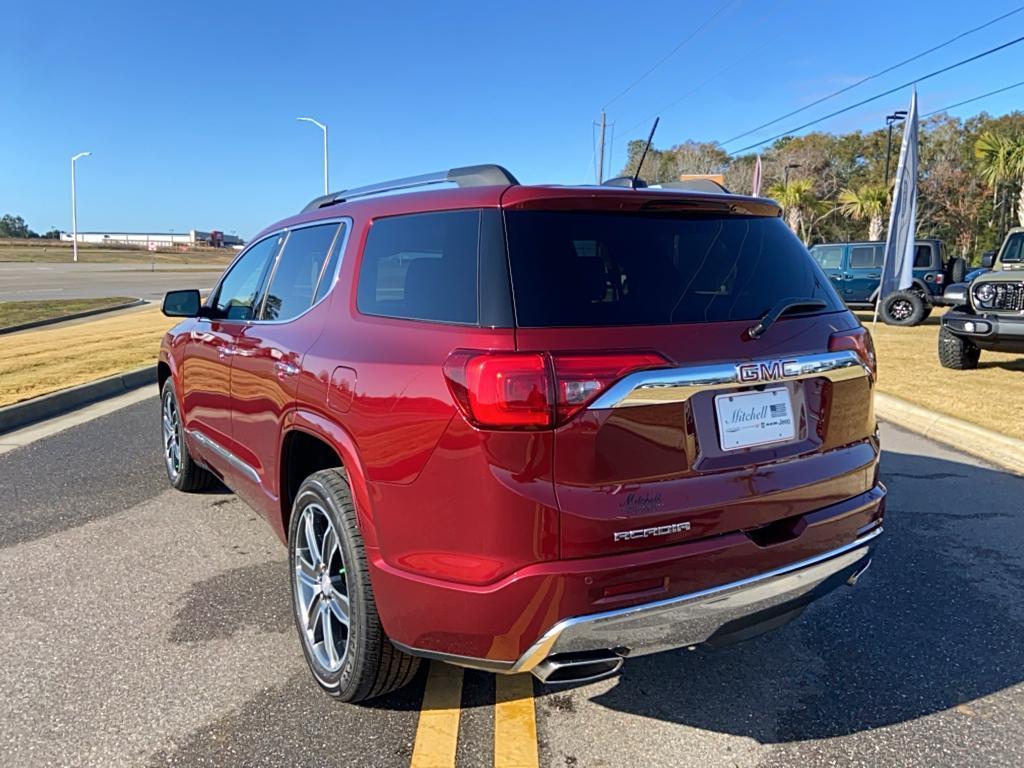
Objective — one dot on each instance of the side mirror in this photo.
(988, 259)
(182, 303)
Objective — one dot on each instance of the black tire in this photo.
(369, 664)
(956, 352)
(905, 308)
(182, 470)
(957, 270)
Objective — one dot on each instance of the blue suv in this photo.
(855, 270)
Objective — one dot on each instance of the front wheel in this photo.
(957, 353)
(345, 646)
(182, 470)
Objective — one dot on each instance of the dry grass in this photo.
(991, 396)
(18, 312)
(33, 363)
(51, 251)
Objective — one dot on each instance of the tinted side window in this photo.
(922, 257)
(239, 292)
(828, 256)
(298, 271)
(331, 270)
(422, 267)
(866, 257)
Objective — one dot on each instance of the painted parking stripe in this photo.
(437, 733)
(515, 722)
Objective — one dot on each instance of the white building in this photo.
(157, 239)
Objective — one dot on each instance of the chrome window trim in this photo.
(677, 385)
(242, 466)
(346, 221)
(211, 299)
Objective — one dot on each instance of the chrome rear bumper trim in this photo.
(693, 618)
(677, 385)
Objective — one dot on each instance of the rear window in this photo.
(421, 267)
(603, 269)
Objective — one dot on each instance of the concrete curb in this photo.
(72, 316)
(996, 448)
(47, 406)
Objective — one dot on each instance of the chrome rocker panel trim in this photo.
(224, 453)
(677, 385)
(682, 621)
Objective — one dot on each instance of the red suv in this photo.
(530, 428)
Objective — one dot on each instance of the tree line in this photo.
(832, 188)
(15, 226)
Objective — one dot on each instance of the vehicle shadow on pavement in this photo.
(937, 622)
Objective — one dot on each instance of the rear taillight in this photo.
(858, 340)
(532, 390)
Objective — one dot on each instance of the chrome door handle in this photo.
(286, 369)
(223, 352)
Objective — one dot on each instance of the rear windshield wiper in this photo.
(782, 306)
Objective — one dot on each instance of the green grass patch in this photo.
(18, 312)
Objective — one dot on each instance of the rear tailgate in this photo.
(665, 457)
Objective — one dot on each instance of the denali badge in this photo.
(767, 370)
(643, 533)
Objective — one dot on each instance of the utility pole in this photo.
(74, 207)
(600, 149)
(785, 172)
(895, 117)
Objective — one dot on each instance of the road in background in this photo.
(144, 626)
(20, 281)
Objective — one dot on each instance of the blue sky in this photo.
(189, 108)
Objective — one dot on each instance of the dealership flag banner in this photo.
(757, 177)
(898, 267)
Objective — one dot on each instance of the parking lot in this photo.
(147, 627)
(24, 281)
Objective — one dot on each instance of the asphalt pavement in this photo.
(141, 626)
(22, 281)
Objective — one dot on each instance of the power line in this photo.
(670, 54)
(976, 98)
(880, 95)
(962, 35)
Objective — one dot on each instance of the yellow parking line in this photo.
(515, 722)
(437, 733)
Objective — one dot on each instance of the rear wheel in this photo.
(904, 308)
(957, 353)
(334, 607)
(182, 470)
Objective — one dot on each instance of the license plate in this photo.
(754, 418)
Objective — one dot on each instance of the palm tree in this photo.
(867, 202)
(798, 200)
(1017, 165)
(998, 161)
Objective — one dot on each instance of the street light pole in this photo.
(323, 128)
(74, 207)
(895, 117)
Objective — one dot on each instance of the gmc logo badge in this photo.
(768, 370)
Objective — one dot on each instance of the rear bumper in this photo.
(729, 612)
(989, 331)
(712, 591)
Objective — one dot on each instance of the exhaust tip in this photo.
(568, 669)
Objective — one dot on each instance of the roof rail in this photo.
(466, 176)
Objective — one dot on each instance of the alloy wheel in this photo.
(321, 588)
(902, 309)
(171, 428)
